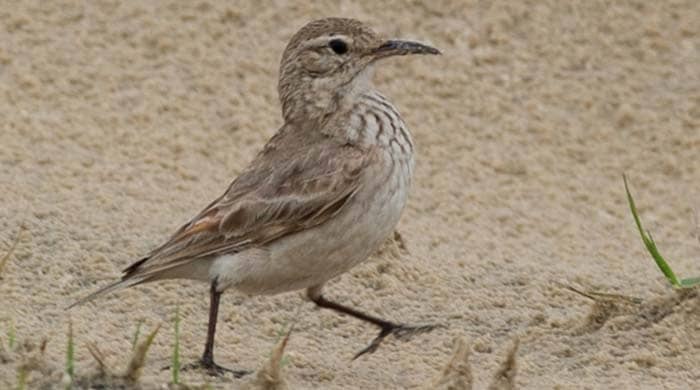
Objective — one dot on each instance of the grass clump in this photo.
(649, 243)
(457, 374)
(107, 378)
(32, 359)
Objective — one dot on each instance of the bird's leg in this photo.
(207, 360)
(208, 356)
(386, 327)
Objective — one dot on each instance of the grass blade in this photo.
(98, 356)
(137, 333)
(689, 282)
(653, 250)
(22, 377)
(70, 354)
(11, 335)
(7, 255)
(176, 349)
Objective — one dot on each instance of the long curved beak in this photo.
(396, 47)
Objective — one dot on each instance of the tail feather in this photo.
(123, 283)
(131, 269)
(128, 279)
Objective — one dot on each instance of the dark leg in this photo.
(208, 356)
(386, 327)
(207, 361)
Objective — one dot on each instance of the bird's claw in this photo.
(212, 369)
(400, 331)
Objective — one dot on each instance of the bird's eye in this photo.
(338, 46)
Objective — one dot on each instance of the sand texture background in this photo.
(120, 120)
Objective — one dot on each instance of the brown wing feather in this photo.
(299, 186)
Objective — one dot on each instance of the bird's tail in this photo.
(123, 283)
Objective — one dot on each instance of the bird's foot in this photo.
(213, 369)
(400, 331)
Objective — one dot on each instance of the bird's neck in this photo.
(315, 100)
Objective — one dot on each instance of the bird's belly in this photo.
(313, 256)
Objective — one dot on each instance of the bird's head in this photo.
(330, 58)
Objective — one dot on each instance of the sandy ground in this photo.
(119, 121)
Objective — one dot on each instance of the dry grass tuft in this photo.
(106, 378)
(605, 306)
(138, 357)
(505, 376)
(457, 374)
(269, 377)
(99, 358)
(32, 358)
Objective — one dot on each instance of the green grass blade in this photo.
(11, 335)
(660, 261)
(653, 250)
(70, 354)
(690, 282)
(22, 377)
(137, 333)
(176, 348)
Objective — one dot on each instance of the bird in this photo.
(320, 197)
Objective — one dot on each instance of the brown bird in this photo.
(323, 194)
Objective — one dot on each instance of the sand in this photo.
(118, 122)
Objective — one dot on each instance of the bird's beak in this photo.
(400, 48)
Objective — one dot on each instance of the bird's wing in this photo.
(286, 189)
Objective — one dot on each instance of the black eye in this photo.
(338, 46)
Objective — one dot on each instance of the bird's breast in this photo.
(374, 121)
